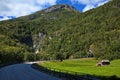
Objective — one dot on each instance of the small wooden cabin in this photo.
(103, 63)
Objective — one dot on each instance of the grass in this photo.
(86, 66)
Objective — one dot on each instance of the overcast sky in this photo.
(15, 8)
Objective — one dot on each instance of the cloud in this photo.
(89, 4)
(5, 18)
(22, 7)
(88, 7)
(100, 4)
(50, 2)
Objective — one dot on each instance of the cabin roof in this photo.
(105, 61)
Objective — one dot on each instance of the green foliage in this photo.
(42, 56)
(69, 34)
(10, 54)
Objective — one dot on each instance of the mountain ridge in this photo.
(63, 34)
(60, 7)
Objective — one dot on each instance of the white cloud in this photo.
(5, 18)
(22, 7)
(90, 3)
(88, 7)
(100, 4)
(42, 2)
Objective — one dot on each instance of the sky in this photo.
(10, 9)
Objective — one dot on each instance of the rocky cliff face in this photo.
(60, 7)
(38, 38)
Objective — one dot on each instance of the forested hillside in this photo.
(62, 32)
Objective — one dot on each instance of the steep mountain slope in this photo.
(95, 32)
(23, 36)
(63, 32)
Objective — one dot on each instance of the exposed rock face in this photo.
(60, 7)
(37, 41)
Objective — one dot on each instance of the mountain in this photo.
(60, 7)
(62, 32)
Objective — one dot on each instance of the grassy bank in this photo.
(87, 66)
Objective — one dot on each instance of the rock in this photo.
(60, 7)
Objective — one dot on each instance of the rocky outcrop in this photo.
(37, 41)
(60, 7)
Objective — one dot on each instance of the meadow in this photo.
(85, 66)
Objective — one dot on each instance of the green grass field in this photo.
(87, 66)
